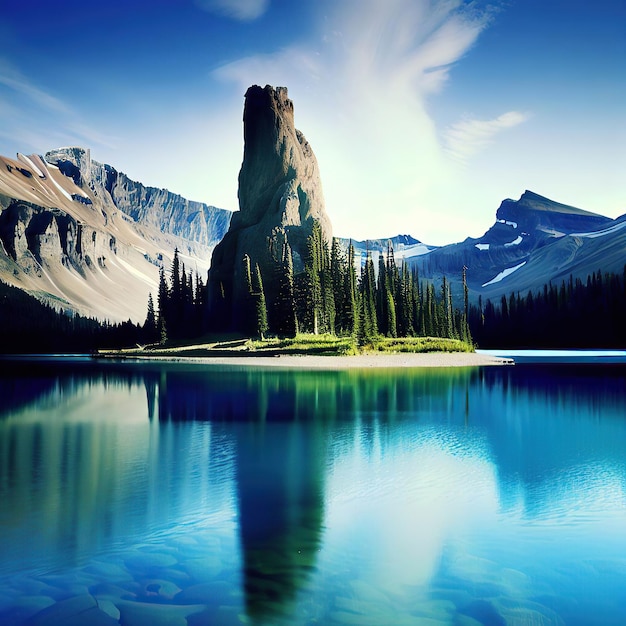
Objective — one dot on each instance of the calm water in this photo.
(179, 494)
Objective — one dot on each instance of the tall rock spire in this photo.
(280, 197)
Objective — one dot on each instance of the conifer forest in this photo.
(336, 294)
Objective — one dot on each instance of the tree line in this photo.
(28, 325)
(329, 296)
(577, 313)
(340, 294)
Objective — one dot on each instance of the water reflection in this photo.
(381, 476)
(548, 426)
(280, 482)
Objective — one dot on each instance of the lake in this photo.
(169, 493)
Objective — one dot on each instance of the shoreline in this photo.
(316, 362)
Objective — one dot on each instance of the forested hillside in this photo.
(574, 314)
(27, 325)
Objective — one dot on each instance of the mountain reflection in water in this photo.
(294, 485)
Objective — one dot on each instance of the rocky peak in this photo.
(279, 174)
(280, 198)
(535, 212)
(73, 161)
(157, 208)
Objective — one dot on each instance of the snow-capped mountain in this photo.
(533, 241)
(404, 247)
(81, 235)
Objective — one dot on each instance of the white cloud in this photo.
(244, 10)
(11, 77)
(33, 119)
(469, 136)
(360, 87)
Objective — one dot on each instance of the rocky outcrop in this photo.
(533, 213)
(83, 237)
(280, 198)
(158, 208)
(32, 233)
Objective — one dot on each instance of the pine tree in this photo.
(351, 289)
(338, 269)
(382, 300)
(247, 314)
(163, 298)
(405, 305)
(394, 289)
(367, 327)
(284, 321)
(465, 334)
(391, 316)
(261, 307)
(329, 310)
(314, 284)
(150, 325)
(446, 329)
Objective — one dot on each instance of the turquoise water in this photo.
(184, 494)
(600, 357)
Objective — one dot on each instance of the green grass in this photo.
(331, 345)
(307, 344)
(417, 344)
(301, 344)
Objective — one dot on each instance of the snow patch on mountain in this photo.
(63, 192)
(515, 242)
(482, 246)
(27, 161)
(407, 252)
(601, 233)
(135, 272)
(508, 223)
(504, 273)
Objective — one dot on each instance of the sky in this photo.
(423, 114)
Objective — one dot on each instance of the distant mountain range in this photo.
(533, 241)
(85, 237)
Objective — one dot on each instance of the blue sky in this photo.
(423, 114)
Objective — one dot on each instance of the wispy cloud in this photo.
(361, 84)
(467, 137)
(244, 10)
(12, 78)
(34, 119)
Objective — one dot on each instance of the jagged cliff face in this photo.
(80, 235)
(280, 198)
(158, 208)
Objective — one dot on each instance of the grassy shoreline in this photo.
(300, 345)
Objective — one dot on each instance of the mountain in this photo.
(84, 237)
(533, 241)
(280, 199)
(404, 247)
(157, 208)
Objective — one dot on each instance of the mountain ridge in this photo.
(65, 239)
(533, 241)
(66, 218)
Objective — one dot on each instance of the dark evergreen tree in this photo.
(576, 314)
(247, 313)
(261, 306)
(382, 300)
(283, 319)
(351, 307)
(367, 326)
(164, 306)
(150, 328)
